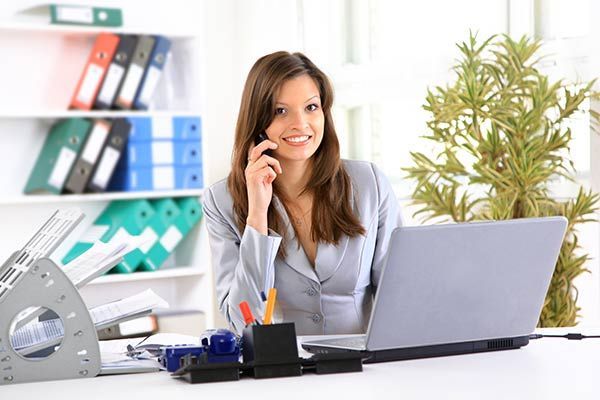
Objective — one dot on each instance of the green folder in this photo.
(120, 218)
(166, 211)
(85, 15)
(58, 155)
(190, 213)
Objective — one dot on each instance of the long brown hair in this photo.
(329, 182)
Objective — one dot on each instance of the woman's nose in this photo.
(298, 120)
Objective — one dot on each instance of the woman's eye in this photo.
(279, 111)
(312, 107)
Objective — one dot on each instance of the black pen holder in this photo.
(271, 350)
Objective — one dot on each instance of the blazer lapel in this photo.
(295, 255)
(329, 256)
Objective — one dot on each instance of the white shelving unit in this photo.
(42, 65)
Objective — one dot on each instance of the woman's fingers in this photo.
(264, 161)
(257, 150)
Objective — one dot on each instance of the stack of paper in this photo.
(39, 335)
(96, 261)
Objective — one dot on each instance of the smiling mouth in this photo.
(297, 139)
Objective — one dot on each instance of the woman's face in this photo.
(298, 124)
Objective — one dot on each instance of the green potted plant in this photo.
(499, 138)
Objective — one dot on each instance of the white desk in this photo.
(545, 369)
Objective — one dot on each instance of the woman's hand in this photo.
(260, 173)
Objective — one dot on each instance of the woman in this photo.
(292, 215)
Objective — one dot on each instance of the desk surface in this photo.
(547, 368)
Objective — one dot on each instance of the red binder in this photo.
(94, 71)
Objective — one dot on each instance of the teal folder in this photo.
(58, 155)
(121, 218)
(166, 211)
(85, 15)
(190, 213)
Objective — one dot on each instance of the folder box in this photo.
(116, 72)
(165, 177)
(119, 218)
(163, 152)
(94, 71)
(190, 213)
(82, 15)
(165, 212)
(88, 157)
(135, 72)
(177, 128)
(152, 73)
(58, 155)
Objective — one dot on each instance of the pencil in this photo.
(270, 306)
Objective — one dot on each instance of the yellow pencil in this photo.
(270, 306)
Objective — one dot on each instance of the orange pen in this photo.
(247, 314)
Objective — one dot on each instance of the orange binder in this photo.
(94, 71)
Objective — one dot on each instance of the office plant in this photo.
(499, 138)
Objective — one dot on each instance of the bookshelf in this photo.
(42, 68)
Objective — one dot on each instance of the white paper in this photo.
(94, 233)
(38, 335)
(171, 238)
(62, 166)
(163, 178)
(95, 141)
(111, 83)
(149, 237)
(109, 160)
(149, 85)
(37, 332)
(95, 261)
(162, 128)
(132, 81)
(75, 14)
(162, 152)
(88, 87)
(117, 310)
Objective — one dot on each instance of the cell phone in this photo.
(261, 137)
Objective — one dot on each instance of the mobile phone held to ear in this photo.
(261, 137)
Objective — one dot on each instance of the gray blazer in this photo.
(336, 295)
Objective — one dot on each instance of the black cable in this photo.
(569, 336)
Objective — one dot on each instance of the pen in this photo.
(247, 314)
(270, 306)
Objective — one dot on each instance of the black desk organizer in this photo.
(269, 351)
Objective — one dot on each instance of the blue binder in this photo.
(178, 128)
(152, 73)
(163, 152)
(166, 177)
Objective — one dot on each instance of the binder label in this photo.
(162, 128)
(171, 238)
(111, 83)
(148, 238)
(75, 14)
(162, 152)
(163, 178)
(90, 83)
(62, 166)
(94, 144)
(149, 85)
(132, 81)
(106, 167)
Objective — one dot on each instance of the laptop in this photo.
(456, 289)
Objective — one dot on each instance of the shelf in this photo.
(94, 197)
(170, 273)
(56, 114)
(89, 30)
